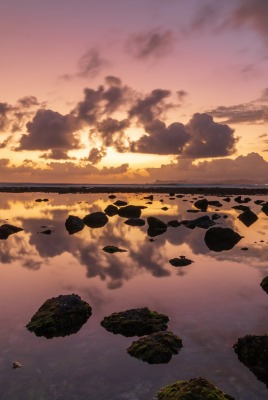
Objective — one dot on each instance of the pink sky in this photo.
(121, 91)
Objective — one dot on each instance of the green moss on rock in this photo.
(194, 389)
(252, 351)
(60, 316)
(156, 348)
(135, 322)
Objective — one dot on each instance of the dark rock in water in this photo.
(113, 249)
(156, 226)
(201, 204)
(240, 200)
(172, 194)
(111, 210)
(241, 207)
(151, 197)
(38, 200)
(74, 224)
(6, 230)
(215, 203)
(202, 222)
(180, 262)
(227, 199)
(135, 222)
(96, 219)
(60, 316)
(180, 196)
(194, 389)
(135, 322)
(265, 209)
(174, 223)
(252, 351)
(47, 232)
(248, 217)
(215, 217)
(156, 348)
(149, 202)
(219, 239)
(244, 248)
(112, 196)
(264, 284)
(120, 203)
(130, 212)
(193, 211)
(259, 202)
(164, 208)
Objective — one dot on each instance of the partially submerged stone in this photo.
(135, 322)
(203, 222)
(264, 284)
(135, 222)
(156, 348)
(182, 261)
(252, 351)
(60, 316)
(113, 249)
(194, 389)
(130, 212)
(111, 210)
(201, 204)
(219, 239)
(6, 230)
(265, 208)
(174, 223)
(239, 199)
(248, 217)
(74, 224)
(120, 203)
(96, 220)
(156, 226)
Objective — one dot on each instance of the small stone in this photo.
(180, 262)
(120, 203)
(113, 249)
(135, 222)
(16, 365)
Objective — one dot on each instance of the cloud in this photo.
(155, 43)
(248, 113)
(5, 142)
(4, 110)
(96, 155)
(28, 101)
(181, 95)
(91, 64)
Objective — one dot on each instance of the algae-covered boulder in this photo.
(74, 224)
(264, 284)
(135, 322)
(60, 316)
(180, 262)
(194, 389)
(113, 249)
(248, 217)
(252, 351)
(129, 212)
(96, 220)
(219, 239)
(6, 230)
(156, 348)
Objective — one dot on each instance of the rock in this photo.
(240, 200)
(112, 196)
(113, 249)
(219, 239)
(156, 226)
(135, 322)
(203, 222)
(151, 197)
(74, 224)
(264, 284)
(16, 365)
(120, 203)
(252, 351)
(6, 230)
(194, 389)
(130, 212)
(248, 217)
(201, 204)
(265, 209)
(180, 196)
(258, 202)
(193, 211)
(135, 222)
(96, 219)
(149, 202)
(46, 232)
(60, 316)
(111, 210)
(241, 207)
(180, 262)
(164, 208)
(215, 203)
(214, 217)
(227, 199)
(174, 223)
(156, 348)
(244, 248)
(38, 200)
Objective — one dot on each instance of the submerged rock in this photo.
(264, 284)
(156, 348)
(135, 222)
(248, 217)
(60, 316)
(194, 389)
(111, 210)
(252, 351)
(219, 239)
(156, 226)
(202, 222)
(6, 230)
(135, 322)
(96, 220)
(180, 262)
(74, 224)
(113, 249)
(130, 212)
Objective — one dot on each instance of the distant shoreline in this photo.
(201, 190)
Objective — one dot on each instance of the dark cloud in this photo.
(252, 13)
(156, 43)
(50, 130)
(247, 113)
(181, 94)
(114, 170)
(162, 139)
(28, 101)
(96, 155)
(264, 95)
(4, 110)
(5, 142)
(206, 15)
(91, 64)
(112, 133)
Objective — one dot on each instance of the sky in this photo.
(123, 91)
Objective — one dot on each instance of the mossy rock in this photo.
(156, 348)
(135, 322)
(194, 389)
(60, 316)
(264, 284)
(252, 351)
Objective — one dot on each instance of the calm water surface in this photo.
(210, 303)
